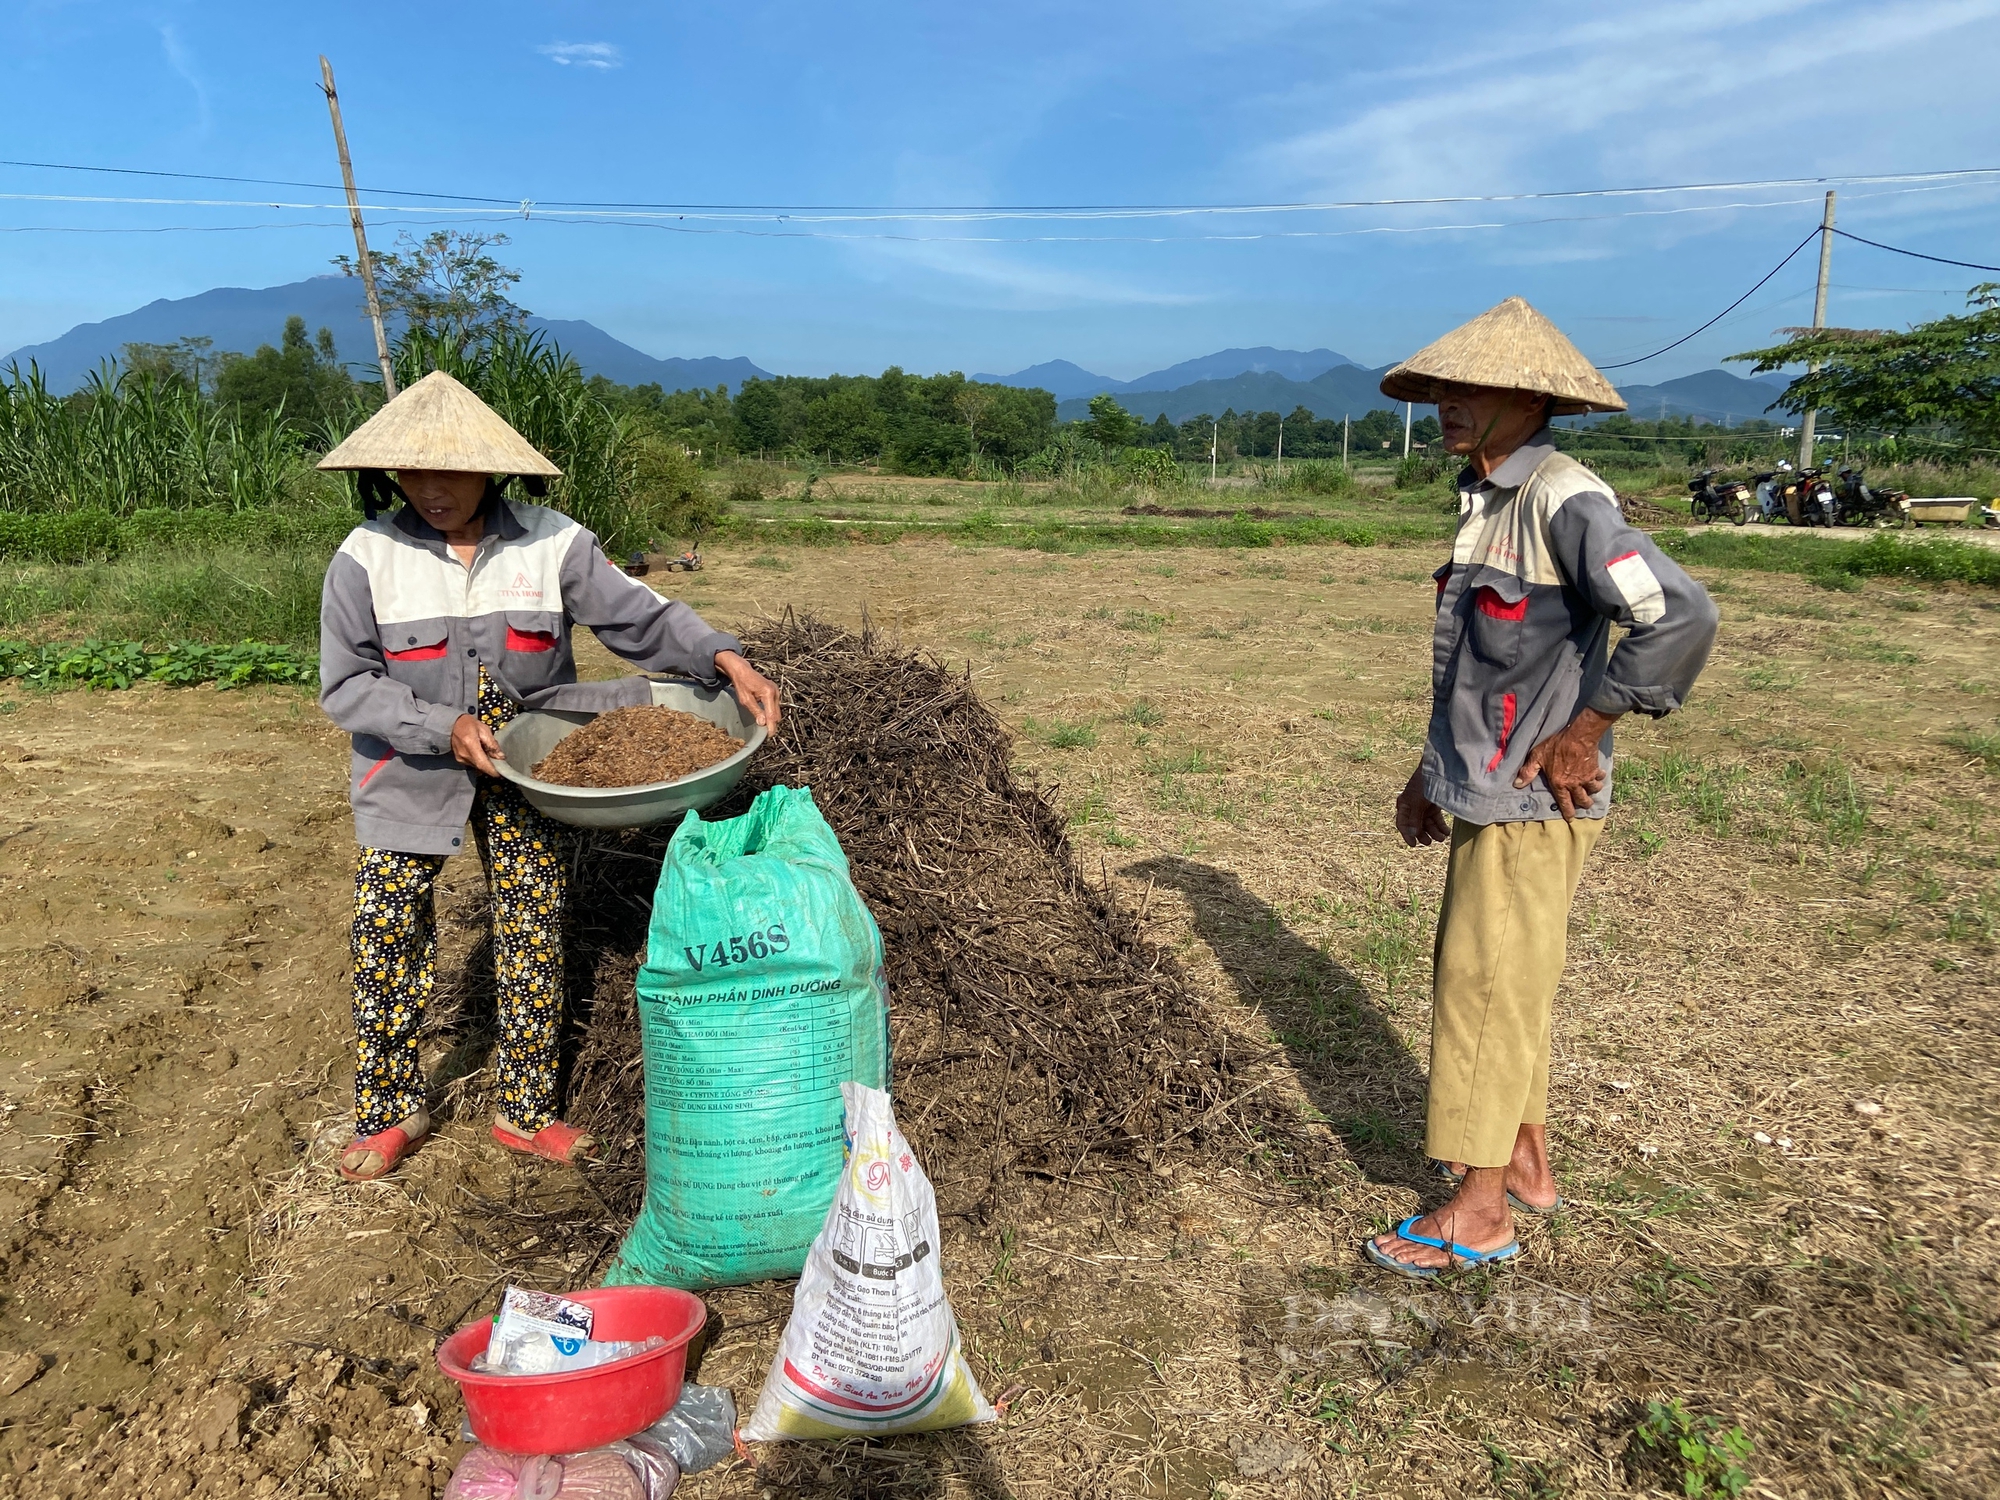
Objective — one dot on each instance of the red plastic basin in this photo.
(578, 1409)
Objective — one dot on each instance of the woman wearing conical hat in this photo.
(438, 623)
(1525, 689)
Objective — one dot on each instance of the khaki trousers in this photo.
(1502, 937)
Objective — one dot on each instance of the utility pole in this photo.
(1819, 321)
(1346, 422)
(1408, 407)
(1214, 431)
(360, 232)
(1281, 447)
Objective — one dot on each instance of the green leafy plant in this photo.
(1153, 467)
(1706, 1457)
(119, 664)
(1144, 714)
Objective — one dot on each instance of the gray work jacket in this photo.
(404, 628)
(1544, 564)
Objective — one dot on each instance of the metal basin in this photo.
(534, 734)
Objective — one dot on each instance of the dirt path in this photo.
(1793, 915)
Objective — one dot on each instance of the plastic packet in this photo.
(600, 1474)
(536, 1330)
(701, 1429)
(547, 1357)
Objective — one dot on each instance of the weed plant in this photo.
(1697, 1455)
(211, 597)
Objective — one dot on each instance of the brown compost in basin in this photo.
(635, 747)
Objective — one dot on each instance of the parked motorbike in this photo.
(1727, 500)
(1861, 504)
(1817, 502)
(1778, 493)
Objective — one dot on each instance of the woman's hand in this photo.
(754, 690)
(473, 744)
(1418, 819)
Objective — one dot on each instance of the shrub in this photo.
(1153, 467)
(670, 496)
(1420, 470)
(1316, 476)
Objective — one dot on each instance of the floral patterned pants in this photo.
(395, 955)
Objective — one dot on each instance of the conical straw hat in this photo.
(1510, 346)
(438, 424)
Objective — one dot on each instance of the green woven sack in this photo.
(762, 993)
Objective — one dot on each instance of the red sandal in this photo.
(556, 1142)
(392, 1145)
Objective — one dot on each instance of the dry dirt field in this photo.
(1774, 1106)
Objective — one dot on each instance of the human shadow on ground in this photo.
(1355, 1067)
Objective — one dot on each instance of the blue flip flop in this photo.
(1458, 1253)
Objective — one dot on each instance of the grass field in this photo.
(1774, 1115)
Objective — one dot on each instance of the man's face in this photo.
(444, 497)
(1484, 416)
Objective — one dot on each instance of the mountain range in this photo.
(1350, 390)
(1066, 381)
(1326, 383)
(240, 318)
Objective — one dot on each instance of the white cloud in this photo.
(583, 54)
(1663, 91)
(182, 61)
(962, 273)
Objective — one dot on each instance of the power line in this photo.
(329, 187)
(898, 211)
(1628, 363)
(1970, 265)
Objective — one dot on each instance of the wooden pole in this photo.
(360, 233)
(1819, 321)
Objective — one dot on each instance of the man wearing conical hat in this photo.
(438, 624)
(1525, 688)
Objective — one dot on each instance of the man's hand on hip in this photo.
(1567, 762)
(1418, 819)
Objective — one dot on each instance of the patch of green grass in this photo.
(1881, 556)
(1371, 1128)
(1144, 714)
(1526, 1478)
(1980, 744)
(772, 561)
(1192, 762)
(1863, 644)
(1143, 619)
(1881, 1434)
(1824, 791)
(1709, 792)
(1063, 734)
(215, 597)
(1092, 811)
(1765, 678)
(1697, 1454)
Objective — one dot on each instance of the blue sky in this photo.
(1025, 103)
